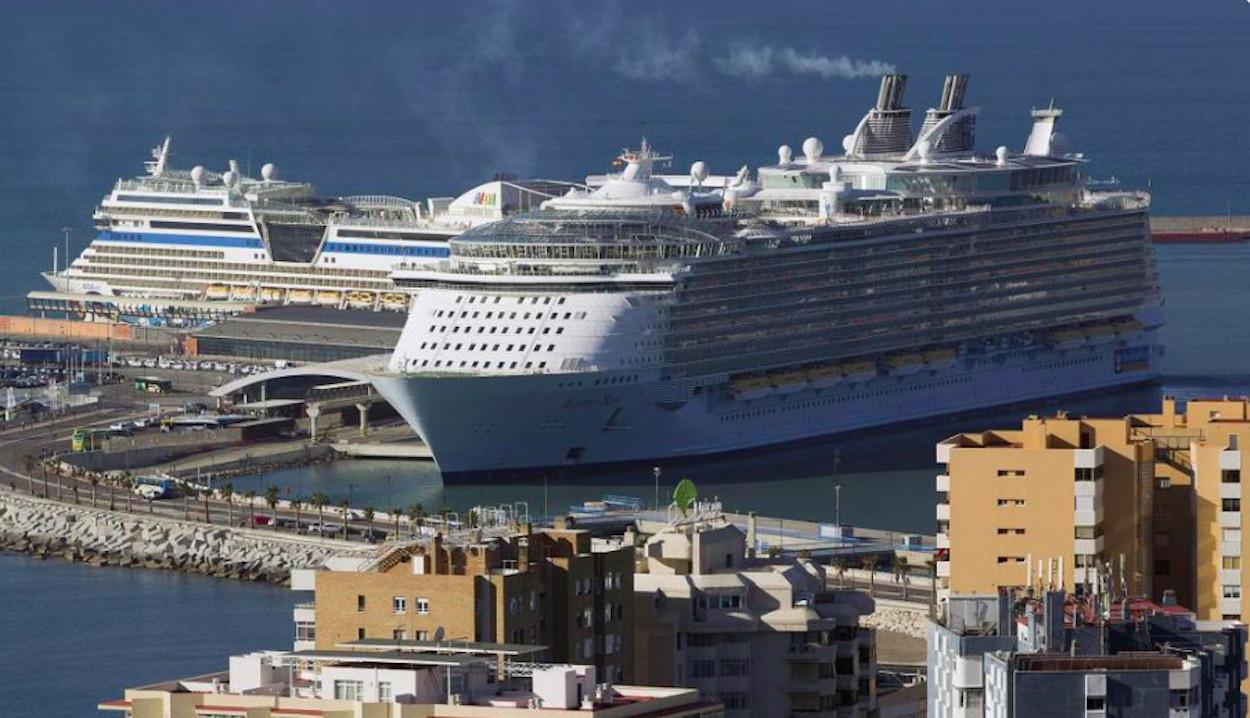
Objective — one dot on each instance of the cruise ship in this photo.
(657, 317)
(201, 236)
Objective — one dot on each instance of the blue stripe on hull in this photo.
(182, 239)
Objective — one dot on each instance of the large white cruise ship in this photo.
(655, 317)
(200, 236)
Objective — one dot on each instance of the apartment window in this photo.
(360, 603)
(1231, 504)
(1088, 474)
(423, 606)
(347, 690)
(735, 668)
(1180, 698)
(1163, 482)
(1230, 476)
(386, 694)
(1010, 532)
(588, 647)
(736, 701)
(701, 640)
(1095, 703)
(360, 634)
(1230, 563)
(423, 635)
(1231, 616)
(400, 604)
(703, 669)
(1011, 502)
(400, 634)
(1011, 472)
(305, 631)
(1232, 591)
(1088, 532)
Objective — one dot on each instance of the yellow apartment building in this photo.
(1148, 502)
(553, 587)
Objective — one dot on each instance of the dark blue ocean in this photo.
(428, 99)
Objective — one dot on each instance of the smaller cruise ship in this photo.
(202, 236)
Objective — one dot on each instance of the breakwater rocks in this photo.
(49, 529)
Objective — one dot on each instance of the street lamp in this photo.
(656, 471)
(837, 490)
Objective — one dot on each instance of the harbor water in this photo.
(429, 99)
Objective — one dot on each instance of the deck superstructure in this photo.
(657, 316)
(199, 235)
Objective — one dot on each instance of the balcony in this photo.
(1087, 458)
(1230, 491)
(943, 541)
(944, 569)
(1230, 460)
(943, 511)
(943, 483)
(1230, 519)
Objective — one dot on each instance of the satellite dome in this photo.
(698, 171)
(812, 149)
(269, 172)
(785, 155)
(197, 174)
(1001, 154)
(848, 144)
(228, 179)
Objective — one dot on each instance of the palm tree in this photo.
(227, 495)
(250, 497)
(319, 501)
(28, 468)
(185, 488)
(94, 478)
(369, 514)
(869, 564)
(271, 498)
(900, 572)
(296, 505)
(345, 507)
(111, 485)
(416, 512)
(395, 513)
(839, 567)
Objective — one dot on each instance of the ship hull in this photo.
(500, 424)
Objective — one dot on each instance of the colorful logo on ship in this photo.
(489, 199)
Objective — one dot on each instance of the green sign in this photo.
(684, 495)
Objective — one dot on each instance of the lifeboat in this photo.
(859, 372)
(217, 292)
(905, 364)
(823, 377)
(789, 382)
(272, 295)
(748, 388)
(395, 300)
(329, 297)
(1066, 339)
(1100, 334)
(244, 294)
(940, 359)
(300, 296)
(360, 300)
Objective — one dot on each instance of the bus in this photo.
(156, 487)
(89, 439)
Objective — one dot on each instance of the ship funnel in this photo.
(1041, 142)
(949, 128)
(886, 129)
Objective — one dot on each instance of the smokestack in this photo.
(751, 528)
(959, 137)
(886, 129)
